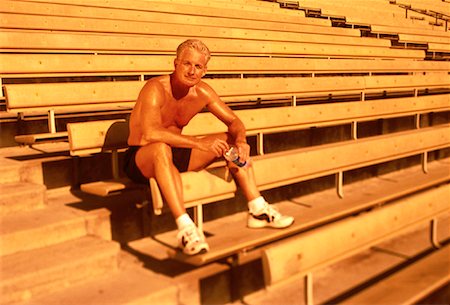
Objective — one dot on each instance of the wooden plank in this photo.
(41, 137)
(342, 239)
(53, 23)
(409, 285)
(92, 43)
(439, 47)
(406, 30)
(70, 64)
(200, 10)
(308, 212)
(283, 168)
(306, 25)
(21, 97)
(95, 137)
(290, 118)
(422, 38)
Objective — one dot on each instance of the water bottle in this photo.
(233, 155)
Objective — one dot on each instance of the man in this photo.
(158, 149)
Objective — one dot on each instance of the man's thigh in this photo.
(201, 159)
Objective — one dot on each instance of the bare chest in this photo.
(179, 113)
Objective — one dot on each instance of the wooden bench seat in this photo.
(383, 29)
(213, 184)
(302, 255)
(53, 23)
(125, 12)
(32, 41)
(197, 10)
(409, 285)
(47, 65)
(258, 122)
(247, 244)
(422, 38)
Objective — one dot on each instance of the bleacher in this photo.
(347, 115)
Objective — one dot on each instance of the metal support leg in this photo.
(115, 163)
(234, 278)
(260, 143)
(51, 121)
(433, 234)
(425, 162)
(339, 184)
(354, 130)
(294, 100)
(417, 117)
(309, 300)
(198, 216)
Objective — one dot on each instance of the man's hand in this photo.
(216, 146)
(244, 151)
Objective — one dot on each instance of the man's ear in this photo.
(205, 69)
(175, 62)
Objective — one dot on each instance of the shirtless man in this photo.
(158, 149)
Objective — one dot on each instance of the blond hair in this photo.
(195, 44)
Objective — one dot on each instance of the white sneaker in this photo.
(192, 241)
(268, 217)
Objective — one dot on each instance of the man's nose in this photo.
(191, 70)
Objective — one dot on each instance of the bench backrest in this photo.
(94, 95)
(93, 43)
(339, 240)
(24, 65)
(54, 23)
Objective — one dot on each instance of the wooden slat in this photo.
(284, 168)
(290, 118)
(322, 208)
(95, 136)
(298, 165)
(439, 47)
(406, 30)
(67, 64)
(125, 12)
(27, 41)
(44, 96)
(409, 285)
(341, 239)
(200, 10)
(422, 38)
(53, 23)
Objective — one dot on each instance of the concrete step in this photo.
(132, 285)
(23, 231)
(10, 170)
(21, 196)
(26, 275)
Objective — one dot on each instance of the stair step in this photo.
(25, 231)
(26, 275)
(132, 285)
(10, 170)
(21, 196)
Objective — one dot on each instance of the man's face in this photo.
(190, 67)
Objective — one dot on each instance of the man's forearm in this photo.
(237, 130)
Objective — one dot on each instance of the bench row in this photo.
(47, 65)
(51, 97)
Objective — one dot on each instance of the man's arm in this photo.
(235, 126)
(151, 100)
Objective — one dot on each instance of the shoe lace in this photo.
(192, 235)
(272, 211)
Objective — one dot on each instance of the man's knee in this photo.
(154, 154)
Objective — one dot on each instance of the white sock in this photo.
(256, 204)
(183, 221)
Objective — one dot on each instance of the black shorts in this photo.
(180, 156)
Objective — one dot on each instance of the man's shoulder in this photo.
(155, 83)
